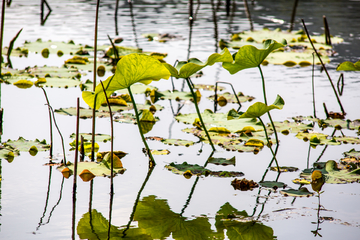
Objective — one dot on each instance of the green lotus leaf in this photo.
(284, 169)
(230, 98)
(258, 109)
(239, 226)
(8, 153)
(129, 118)
(177, 142)
(272, 184)
(348, 139)
(24, 145)
(88, 137)
(147, 126)
(98, 169)
(54, 47)
(87, 146)
(45, 72)
(348, 66)
(222, 161)
(155, 217)
(317, 138)
(132, 68)
(146, 116)
(130, 106)
(302, 192)
(333, 174)
(249, 56)
(160, 152)
(220, 120)
(193, 65)
(208, 87)
(56, 82)
(352, 153)
(286, 127)
(84, 112)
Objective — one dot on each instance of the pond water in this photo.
(36, 200)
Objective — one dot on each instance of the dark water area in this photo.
(36, 201)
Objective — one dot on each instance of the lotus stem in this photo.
(268, 113)
(269, 145)
(112, 142)
(313, 85)
(151, 159)
(323, 65)
(2, 32)
(293, 16)
(198, 112)
(94, 81)
(75, 168)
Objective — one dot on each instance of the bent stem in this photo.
(198, 112)
(151, 159)
(269, 145)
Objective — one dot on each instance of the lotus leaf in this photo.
(8, 153)
(128, 118)
(56, 82)
(45, 71)
(156, 219)
(208, 87)
(348, 66)
(137, 88)
(185, 168)
(291, 37)
(101, 155)
(286, 126)
(249, 56)
(24, 145)
(239, 226)
(193, 65)
(116, 161)
(272, 184)
(220, 120)
(98, 169)
(333, 174)
(177, 142)
(129, 107)
(350, 161)
(84, 113)
(98, 137)
(87, 146)
(130, 69)
(54, 47)
(230, 98)
(303, 59)
(222, 161)
(302, 192)
(301, 181)
(352, 153)
(244, 184)
(258, 109)
(24, 84)
(345, 139)
(160, 152)
(176, 95)
(284, 169)
(317, 138)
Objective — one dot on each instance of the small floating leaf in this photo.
(66, 172)
(24, 84)
(160, 152)
(25, 145)
(284, 169)
(302, 192)
(222, 161)
(272, 184)
(244, 184)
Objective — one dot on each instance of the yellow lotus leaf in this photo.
(86, 175)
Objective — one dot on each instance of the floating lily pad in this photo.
(302, 192)
(84, 112)
(272, 184)
(45, 71)
(177, 142)
(87, 146)
(230, 98)
(98, 169)
(220, 120)
(286, 127)
(350, 161)
(161, 37)
(129, 118)
(222, 161)
(88, 137)
(317, 138)
(346, 140)
(301, 181)
(284, 169)
(352, 153)
(160, 152)
(333, 174)
(119, 154)
(176, 95)
(24, 145)
(56, 82)
(188, 170)
(8, 153)
(208, 87)
(53, 47)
